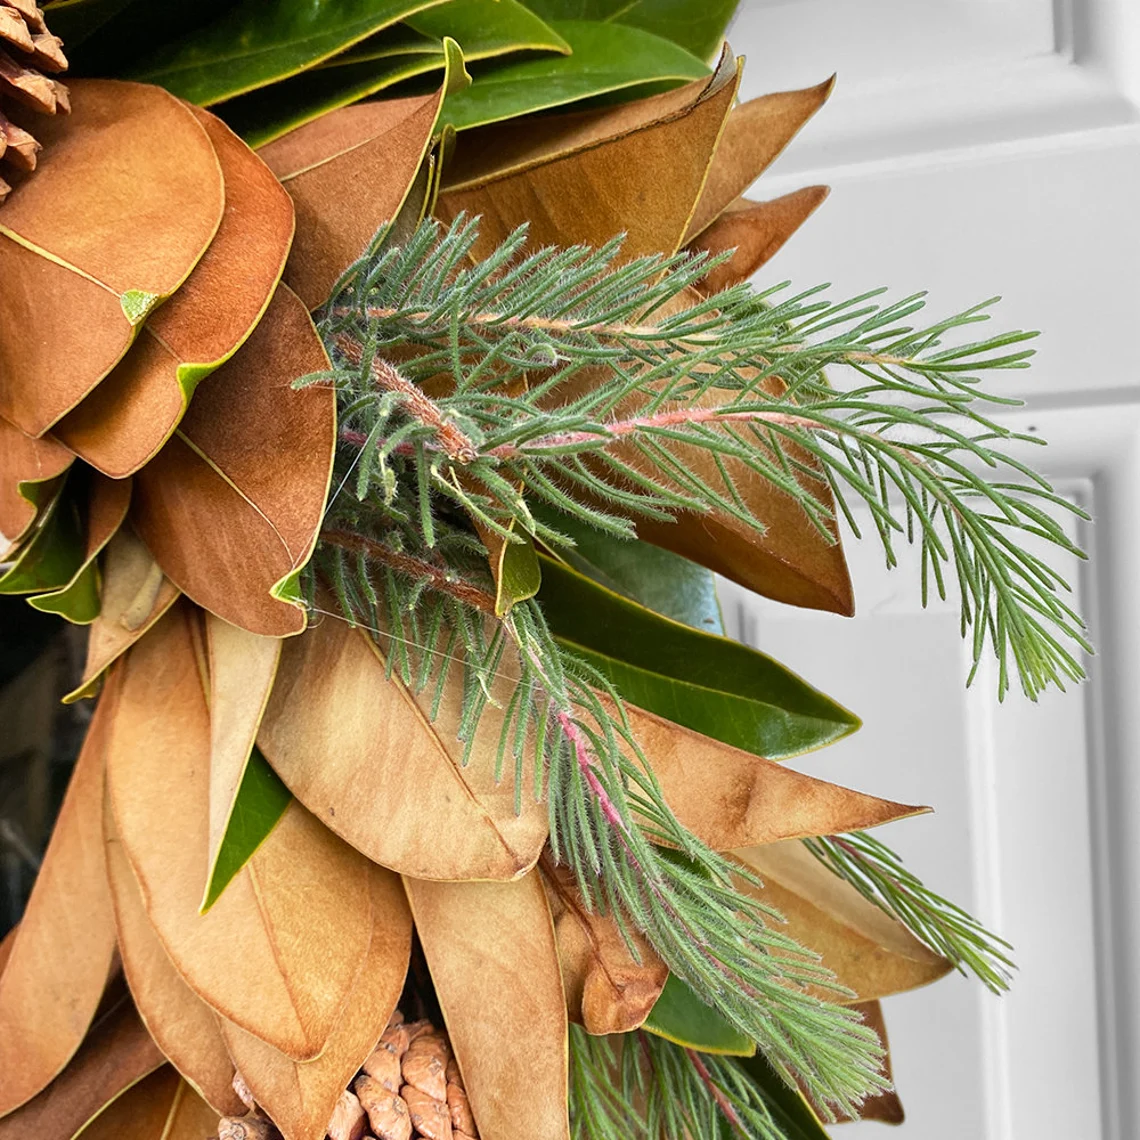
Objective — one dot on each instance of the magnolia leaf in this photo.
(365, 755)
(255, 43)
(755, 232)
(27, 468)
(491, 946)
(75, 20)
(600, 174)
(791, 1113)
(885, 1107)
(280, 950)
(681, 1017)
(300, 1098)
(602, 59)
(871, 953)
(231, 506)
(755, 135)
(348, 173)
(711, 684)
(117, 1053)
(608, 989)
(132, 413)
(657, 579)
(51, 552)
(78, 601)
(731, 798)
(400, 39)
(62, 953)
(144, 198)
(134, 596)
(244, 804)
(160, 1107)
(182, 1025)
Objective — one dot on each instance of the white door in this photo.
(981, 147)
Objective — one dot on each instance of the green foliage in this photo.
(51, 554)
(680, 1016)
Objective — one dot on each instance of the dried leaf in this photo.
(754, 137)
(730, 798)
(231, 506)
(348, 173)
(117, 1053)
(160, 1107)
(602, 174)
(27, 466)
(62, 955)
(135, 595)
(182, 1025)
(126, 198)
(491, 946)
(756, 232)
(361, 752)
(280, 950)
(870, 953)
(131, 414)
(607, 989)
(301, 1098)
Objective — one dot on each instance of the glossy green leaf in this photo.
(710, 684)
(74, 20)
(258, 807)
(259, 42)
(519, 576)
(697, 25)
(52, 553)
(791, 1113)
(605, 57)
(649, 575)
(680, 1016)
(78, 600)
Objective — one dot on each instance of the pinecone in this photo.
(27, 51)
(408, 1089)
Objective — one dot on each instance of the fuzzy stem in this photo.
(722, 1102)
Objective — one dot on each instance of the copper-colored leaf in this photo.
(25, 462)
(140, 1113)
(607, 176)
(607, 989)
(231, 506)
(730, 798)
(132, 412)
(754, 136)
(755, 231)
(361, 752)
(134, 596)
(870, 953)
(62, 954)
(126, 198)
(301, 1098)
(182, 1025)
(491, 947)
(279, 952)
(348, 172)
(117, 1053)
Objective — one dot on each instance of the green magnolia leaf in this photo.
(259, 42)
(680, 1016)
(52, 553)
(649, 575)
(697, 25)
(258, 807)
(519, 576)
(707, 683)
(791, 1113)
(604, 58)
(74, 20)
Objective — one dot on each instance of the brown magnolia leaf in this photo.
(730, 798)
(242, 668)
(134, 596)
(885, 1107)
(231, 506)
(126, 198)
(300, 1098)
(131, 414)
(607, 989)
(63, 953)
(755, 231)
(6, 944)
(348, 172)
(755, 135)
(116, 1054)
(140, 1113)
(599, 177)
(363, 753)
(870, 952)
(491, 947)
(24, 463)
(279, 951)
(182, 1025)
